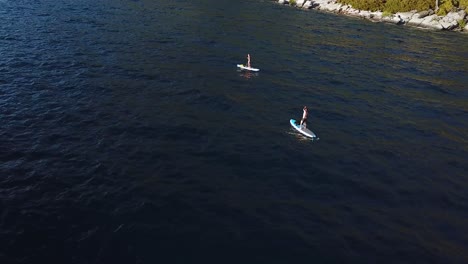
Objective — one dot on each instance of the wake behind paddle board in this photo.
(304, 131)
(243, 67)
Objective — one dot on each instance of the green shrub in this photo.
(446, 7)
(442, 12)
(394, 6)
(371, 5)
(462, 23)
(292, 2)
(386, 14)
(463, 4)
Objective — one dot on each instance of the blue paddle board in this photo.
(306, 132)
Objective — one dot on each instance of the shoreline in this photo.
(423, 19)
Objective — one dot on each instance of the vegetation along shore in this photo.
(432, 14)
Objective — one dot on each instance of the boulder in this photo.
(320, 2)
(307, 4)
(398, 20)
(352, 12)
(343, 9)
(365, 14)
(450, 21)
(431, 21)
(377, 15)
(334, 7)
(453, 16)
(406, 16)
(339, 7)
(436, 25)
(456, 15)
(466, 28)
(281, 2)
(300, 3)
(395, 19)
(428, 19)
(415, 21)
(387, 18)
(448, 25)
(423, 14)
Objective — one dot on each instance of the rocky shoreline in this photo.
(424, 19)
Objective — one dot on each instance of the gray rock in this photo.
(395, 19)
(300, 3)
(423, 14)
(307, 5)
(448, 25)
(462, 14)
(456, 15)
(431, 21)
(343, 9)
(429, 18)
(281, 2)
(365, 14)
(331, 7)
(351, 13)
(466, 27)
(399, 20)
(406, 16)
(415, 21)
(450, 21)
(436, 25)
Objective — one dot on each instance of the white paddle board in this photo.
(243, 67)
(306, 132)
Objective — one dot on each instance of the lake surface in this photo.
(128, 135)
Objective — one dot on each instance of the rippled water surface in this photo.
(128, 136)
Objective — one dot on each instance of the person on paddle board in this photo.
(248, 60)
(304, 117)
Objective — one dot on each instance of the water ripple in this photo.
(128, 135)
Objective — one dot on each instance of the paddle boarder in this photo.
(248, 60)
(304, 117)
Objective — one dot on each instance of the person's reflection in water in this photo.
(248, 74)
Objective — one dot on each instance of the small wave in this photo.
(301, 137)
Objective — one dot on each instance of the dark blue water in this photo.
(128, 136)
